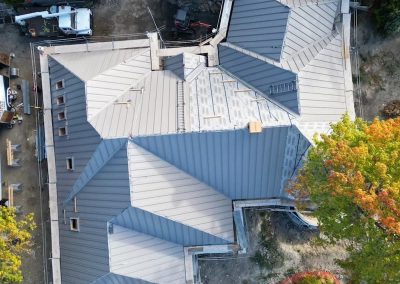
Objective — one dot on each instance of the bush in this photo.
(316, 277)
(391, 110)
(386, 14)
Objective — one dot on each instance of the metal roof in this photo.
(176, 64)
(307, 24)
(274, 82)
(103, 153)
(160, 188)
(322, 88)
(112, 278)
(86, 65)
(189, 151)
(159, 227)
(259, 26)
(144, 257)
(236, 163)
(219, 101)
(106, 87)
(149, 107)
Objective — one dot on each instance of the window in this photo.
(60, 100)
(70, 163)
(74, 224)
(61, 115)
(62, 131)
(60, 85)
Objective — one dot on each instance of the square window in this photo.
(62, 131)
(61, 115)
(70, 163)
(60, 85)
(60, 100)
(74, 224)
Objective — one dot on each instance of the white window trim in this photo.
(62, 84)
(66, 131)
(72, 163)
(64, 113)
(63, 100)
(77, 224)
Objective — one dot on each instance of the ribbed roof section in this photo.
(274, 82)
(140, 256)
(259, 26)
(159, 187)
(238, 164)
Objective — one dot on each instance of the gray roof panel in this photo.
(148, 223)
(236, 163)
(112, 278)
(104, 152)
(141, 256)
(176, 64)
(160, 188)
(274, 82)
(259, 26)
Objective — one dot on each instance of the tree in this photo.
(353, 177)
(386, 14)
(15, 240)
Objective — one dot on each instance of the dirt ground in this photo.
(126, 17)
(379, 68)
(32, 199)
(116, 17)
(278, 248)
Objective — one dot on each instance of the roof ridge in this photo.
(266, 96)
(314, 48)
(185, 199)
(122, 92)
(126, 220)
(104, 152)
(125, 93)
(123, 62)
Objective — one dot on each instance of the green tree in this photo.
(15, 240)
(353, 177)
(386, 14)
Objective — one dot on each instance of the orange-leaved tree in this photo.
(15, 240)
(352, 176)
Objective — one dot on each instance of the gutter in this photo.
(51, 163)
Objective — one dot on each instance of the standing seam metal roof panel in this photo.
(259, 26)
(223, 160)
(148, 223)
(112, 278)
(84, 255)
(161, 188)
(262, 76)
(145, 257)
(176, 64)
(308, 24)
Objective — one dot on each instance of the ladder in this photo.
(180, 106)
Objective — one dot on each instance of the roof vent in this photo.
(255, 127)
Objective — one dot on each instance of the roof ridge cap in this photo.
(122, 92)
(121, 63)
(100, 111)
(318, 45)
(126, 226)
